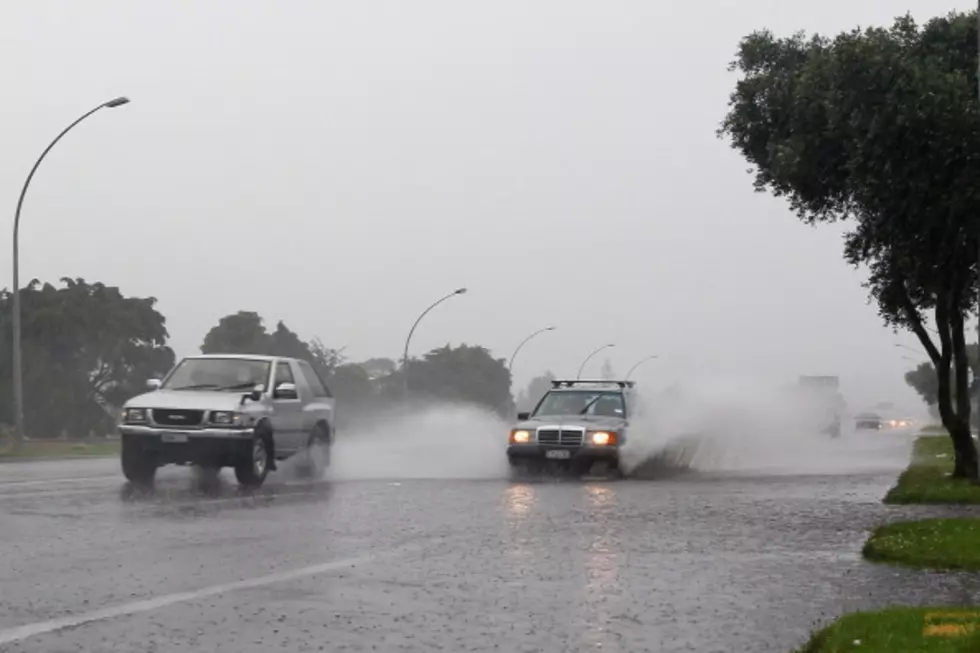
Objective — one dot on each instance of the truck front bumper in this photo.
(200, 446)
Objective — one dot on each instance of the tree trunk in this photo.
(965, 464)
(954, 355)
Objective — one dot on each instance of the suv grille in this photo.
(177, 417)
(564, 437)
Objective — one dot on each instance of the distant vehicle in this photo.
(216, 411)
(875, 422)
(868, 421)
(576, 424)
(824, 402)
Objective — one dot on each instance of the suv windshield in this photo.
(603, 404)
(218, 374)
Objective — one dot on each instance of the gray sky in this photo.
(341, 165)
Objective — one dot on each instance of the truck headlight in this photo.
(136, 416)
(602, 438)
(520, 436)
(226, 418)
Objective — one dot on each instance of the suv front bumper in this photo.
(535, 451)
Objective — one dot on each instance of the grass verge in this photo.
(40, 449)
(927, 479)
(908, 630)
(942, 544)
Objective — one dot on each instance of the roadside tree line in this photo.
(87, 348)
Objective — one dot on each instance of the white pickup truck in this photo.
(230, 410)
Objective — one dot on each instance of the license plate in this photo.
(173, 437)
(558, 454)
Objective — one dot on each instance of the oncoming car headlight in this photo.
(602, 438)
(520, 436)
(226, 418)
(136, 415)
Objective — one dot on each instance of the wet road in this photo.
(690, 563)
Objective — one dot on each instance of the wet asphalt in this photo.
(691, 562)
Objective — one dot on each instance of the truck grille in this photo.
(177, 417)
(563, 437)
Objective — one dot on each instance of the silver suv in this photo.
(218, 411)
(576, 424)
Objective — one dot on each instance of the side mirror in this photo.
(286, 391)
(153, 384)
(256, 392)
(523, 417)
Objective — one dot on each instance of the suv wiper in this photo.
(198, 386)
(590, 404)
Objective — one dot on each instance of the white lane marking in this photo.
(19, 633)
(6, 484)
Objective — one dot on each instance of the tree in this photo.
(924, 380)
(536, 388)
(880, 127)
(283, 342)
(466, 374)
(86, 350)
(239, 333)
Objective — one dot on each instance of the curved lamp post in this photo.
(587, 358)
(638, 363)
(18, 378)
(510, 365)
(458, 291)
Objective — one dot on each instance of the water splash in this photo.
(744, 426)
(435, 441)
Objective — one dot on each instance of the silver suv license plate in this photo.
(558, 454)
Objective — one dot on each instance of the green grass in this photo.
(34, 449)
(947, 544)
(927, 479)
(901, 630)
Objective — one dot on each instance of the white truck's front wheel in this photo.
(138, 464)
(253, 467)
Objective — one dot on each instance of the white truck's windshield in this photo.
(218, 374)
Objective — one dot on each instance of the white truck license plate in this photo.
(174, 437)
(558, 454)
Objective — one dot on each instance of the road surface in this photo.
(690, 563)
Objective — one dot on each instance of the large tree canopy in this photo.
(467, 374)
(880, 127)
(86, 349)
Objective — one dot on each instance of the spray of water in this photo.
(738, 425)
(433, 441)
(715, 425)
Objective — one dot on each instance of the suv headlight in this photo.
(227, 418)
(602, 438)
(136, 415)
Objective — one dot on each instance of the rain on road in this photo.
(696, 562)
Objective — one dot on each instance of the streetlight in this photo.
(582, 366)
(18, 378)
(638, 363)
(458, 291)
(523, 342)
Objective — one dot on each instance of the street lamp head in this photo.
(612, 344)
(460, 291)
(118, 102)
(551, 328)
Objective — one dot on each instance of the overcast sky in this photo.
(340, 165)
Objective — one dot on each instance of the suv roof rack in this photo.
(568, 383)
